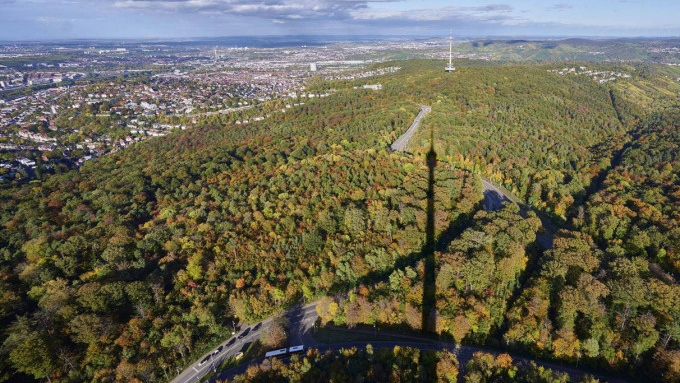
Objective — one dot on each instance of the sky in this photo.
(78, 19)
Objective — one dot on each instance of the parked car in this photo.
(204, 360)
(244, 333)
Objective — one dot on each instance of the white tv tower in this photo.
(450, 67)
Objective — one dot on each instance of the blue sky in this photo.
(60, 19)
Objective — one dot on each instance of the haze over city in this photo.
(74, 19)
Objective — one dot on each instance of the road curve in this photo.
(463, 353)
(494, 198)
(401, 143)
(301, 320)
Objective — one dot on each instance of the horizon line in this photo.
(354, 36)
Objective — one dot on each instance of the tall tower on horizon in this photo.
(450, 67)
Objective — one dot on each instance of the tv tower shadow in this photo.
(429, 288)
(429, 306)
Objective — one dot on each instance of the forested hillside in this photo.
(570, 49)
(527, 129)
(475, 277)
(609, 293)
(131, 266)
(602, 159)
(637, 208)
(128, 265)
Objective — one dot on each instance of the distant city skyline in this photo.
(96, 19)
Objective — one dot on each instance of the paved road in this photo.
(223, 111)
(231, 346)
(463, 354)
(401, 143)
(494, 198)
(301, 320)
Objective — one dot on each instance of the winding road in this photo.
(302, 319)
(301, 322)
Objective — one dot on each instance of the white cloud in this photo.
(55, 20)
(562, 6)
(366, 14)
(493, 14)
(308, 7)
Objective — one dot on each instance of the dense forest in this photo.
(141, 256)
(132, 265)
(533, 137)
(614, 284)
(475, 277)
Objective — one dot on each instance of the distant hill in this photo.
(638, 50)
